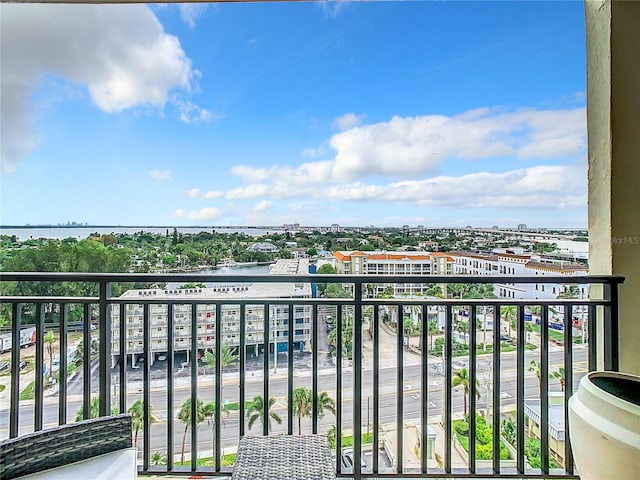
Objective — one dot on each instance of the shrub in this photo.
(462, 428)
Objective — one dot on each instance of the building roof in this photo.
(557, 267)
(556, 417)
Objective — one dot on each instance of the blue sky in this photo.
(390, 113)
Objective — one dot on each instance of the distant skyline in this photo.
(355, 113)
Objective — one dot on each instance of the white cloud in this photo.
(347, 121)
(121, 53)
(190, 113)
(535, 187)
(191, 12)
(196, 193)
(160, 175)
(202, 215)
(410, 147)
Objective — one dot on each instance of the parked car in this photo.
(346, 462)
(4, 366)
(23, 364)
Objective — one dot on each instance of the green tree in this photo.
(461, 378)
(227, 357)
(209, 412)
(325, 402)
(559, 374)
(158, 458)
(184, 415)
(137, 418)
(433, 329)
(570, 291)
(302, 404)
(94, 410)
(256, 412)
(509, 315)
(535, 366)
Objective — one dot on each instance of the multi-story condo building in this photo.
(512, 264)
(206, 316)
(395, 263)
(462, 263)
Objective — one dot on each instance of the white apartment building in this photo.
(395, 263)
(462, 263)
(158, 321)
(511, 264)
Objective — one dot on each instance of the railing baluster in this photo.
(544, 388)
(376, 386)
(243, 366)
(39, 370)
(194, 387)
(122, 327)
(338, 386)
(611, 353)
(520, 390)
(357, 379)
(218, 393)
(473, 388)
(497, 327)
(399, 386)
(424, 383)
(568, 383)
(290, 363)
(62, 363)
(170, 399)
(448, 352)
(86, 362)
(146, 387)
(104, 348)
(14, 412)
(314, 369)
(265, 369)
(592, 328)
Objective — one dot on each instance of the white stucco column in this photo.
(613, 119)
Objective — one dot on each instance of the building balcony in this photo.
(410, 402)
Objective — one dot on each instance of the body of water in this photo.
(80, 233)
(242, 270)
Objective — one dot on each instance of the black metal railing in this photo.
(384, 386)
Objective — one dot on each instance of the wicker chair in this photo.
(64, 445)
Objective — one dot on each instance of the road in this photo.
(412, 398)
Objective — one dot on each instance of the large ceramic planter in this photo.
(604, 426)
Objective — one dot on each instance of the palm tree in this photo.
(509, 314)
(227, 357)
(461, 377)
(256, 412)
(534, 366)
(94, 410)
(302, 404)
(184, 415)
(433, 329)
(137, 418)
(559, 374)
(158, 459)
(325, 402)
(50, 338)
(209, 412)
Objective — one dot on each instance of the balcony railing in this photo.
(401, 388)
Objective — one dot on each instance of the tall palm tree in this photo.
(256, 412)
(302, 404)
(209, 412)
(137, 418)
(509, 314)
(184, 415)
(433, 329)
(461, 377)
(534, 366)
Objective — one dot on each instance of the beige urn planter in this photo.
(604, 426)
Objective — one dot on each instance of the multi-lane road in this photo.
(412, 397)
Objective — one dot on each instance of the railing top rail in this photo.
(306, 278)
(276, 301)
